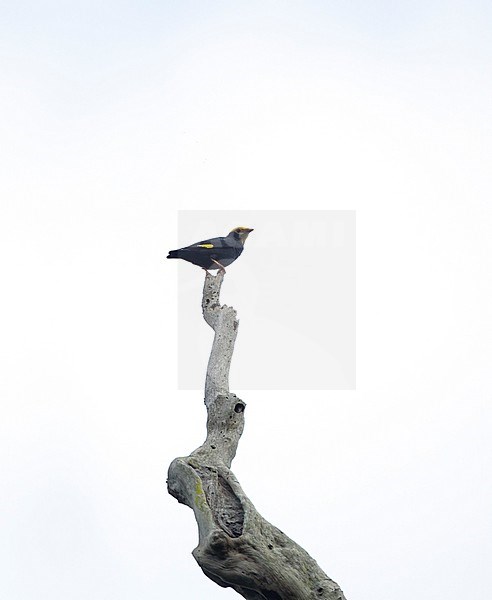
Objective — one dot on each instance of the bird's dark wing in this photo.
(217, 242)
(205, 252)
(208, 247)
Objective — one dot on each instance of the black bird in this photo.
(216, 253)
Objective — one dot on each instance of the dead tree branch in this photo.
(237, 547)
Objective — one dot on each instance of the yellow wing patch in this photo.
(205, 245)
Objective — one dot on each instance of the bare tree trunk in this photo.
(237, 547)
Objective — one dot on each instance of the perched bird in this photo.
(216, 253)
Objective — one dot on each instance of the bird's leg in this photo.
(221, 267)
(206, 270)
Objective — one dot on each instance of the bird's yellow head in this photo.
(241, 233)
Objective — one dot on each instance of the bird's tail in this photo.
(173, 254)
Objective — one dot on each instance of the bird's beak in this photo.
(249, 230)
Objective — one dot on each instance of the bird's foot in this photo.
(221, 267)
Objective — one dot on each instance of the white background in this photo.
(291, 338)
(113, 117)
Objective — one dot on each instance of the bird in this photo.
(216, 253)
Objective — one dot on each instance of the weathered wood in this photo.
(237, 547)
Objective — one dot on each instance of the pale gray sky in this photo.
(114, 117)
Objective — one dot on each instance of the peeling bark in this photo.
(237, 547)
